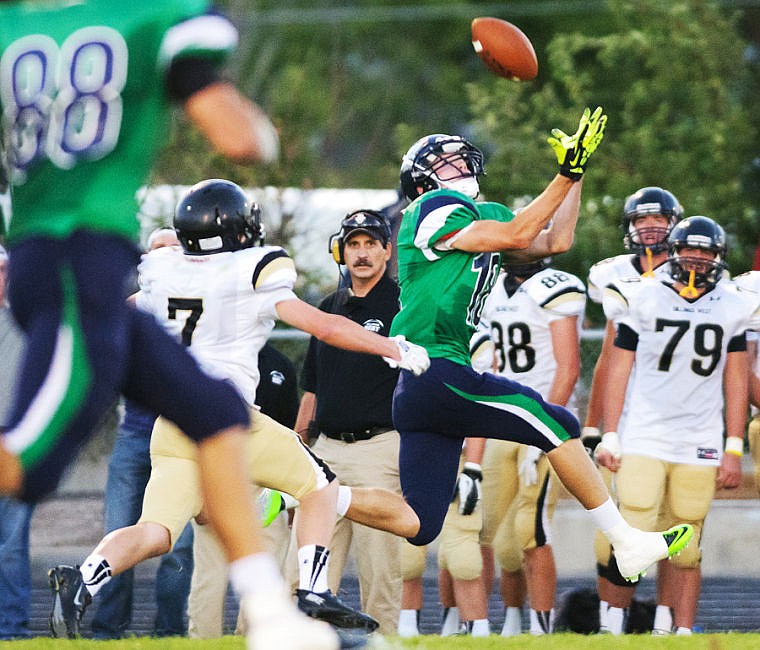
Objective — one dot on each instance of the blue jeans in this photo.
(15, 572)
(128, 473)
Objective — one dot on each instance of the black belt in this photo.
(356, 436)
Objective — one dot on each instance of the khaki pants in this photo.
(367, 463)
(208, 589)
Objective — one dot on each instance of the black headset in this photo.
(371, 220)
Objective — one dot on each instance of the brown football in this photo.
(504, 48)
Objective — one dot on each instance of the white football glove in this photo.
(468, 487)
(610, 443)
(413, 357)
(528, 469)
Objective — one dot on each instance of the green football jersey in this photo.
(84, 105)
(443, 290)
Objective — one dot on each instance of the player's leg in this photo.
(691, 489)
(500, 485)
(211, 413)
(68, 296)
(277, 458)
(535, 505)
(459, 554)
(456, 397)
(413, 561)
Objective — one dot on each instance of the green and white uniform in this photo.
(85, 107)
(443, 291)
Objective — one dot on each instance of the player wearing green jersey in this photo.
(450, 249)
(86, 89)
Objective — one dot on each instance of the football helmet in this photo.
(527, 269)
(370, 222)
(215, 216)
(649, 200)
(697, 232)
(423, 164)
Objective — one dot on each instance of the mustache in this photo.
(362, 263)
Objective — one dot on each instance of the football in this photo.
(504, 48)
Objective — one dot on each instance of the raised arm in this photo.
(234, 125)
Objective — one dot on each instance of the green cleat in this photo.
(678, 538)
(269, 504)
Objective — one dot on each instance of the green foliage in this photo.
(671, 78)
(353, 83)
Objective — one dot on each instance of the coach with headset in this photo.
(346, 406)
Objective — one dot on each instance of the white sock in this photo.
(289, 501)
(616, 620)
(512, 622)
(255, 574)
(450, 623)
(312, 568)
(609, 520)
(96, 573)
(480, 627)
(541, 622)
(603, 605)
(344, 500)
(683, 631)
(663, 618)
(409, 623)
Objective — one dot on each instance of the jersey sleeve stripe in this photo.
(210, 34)
(272, 263)
(567, 295)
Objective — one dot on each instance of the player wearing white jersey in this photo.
(649, 215)
(534, 315)
(750, 281)
(221, 296)
(687, 338)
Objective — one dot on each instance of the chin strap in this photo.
(649, 273)
(689, 291)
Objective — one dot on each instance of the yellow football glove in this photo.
(573, 151)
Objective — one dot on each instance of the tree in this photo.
(672, 78)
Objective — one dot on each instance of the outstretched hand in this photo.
(573, 151)
(413, 357)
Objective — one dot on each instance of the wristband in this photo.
(735, 446)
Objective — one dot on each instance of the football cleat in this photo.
(640, 549)
(327, 607)
(274, 623)
(269, 504)
(70, 599)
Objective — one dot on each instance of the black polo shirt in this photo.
(354, 390)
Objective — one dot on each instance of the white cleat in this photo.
(637, 550)
(275, 623)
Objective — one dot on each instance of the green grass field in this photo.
(732, 641)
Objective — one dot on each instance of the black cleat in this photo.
(327, 607)
(70, 599)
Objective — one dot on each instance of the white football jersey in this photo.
(520, 323)
(222, 306)
(609, 270)
(675, 398)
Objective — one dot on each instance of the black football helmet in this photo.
(527, 269)
(649, 200)
(697, 232)
(425, 159)
(215, 216)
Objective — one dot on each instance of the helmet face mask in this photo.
(697, 233)
(216, 216)
(649, 201)
(441, 161)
